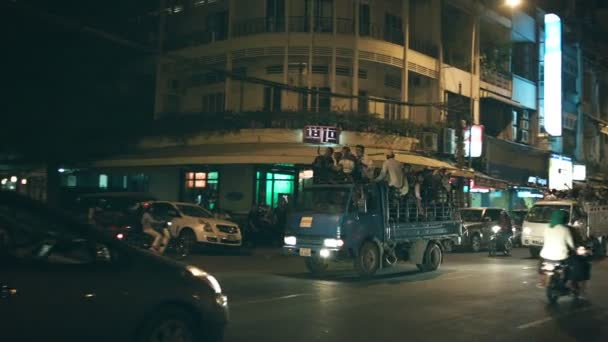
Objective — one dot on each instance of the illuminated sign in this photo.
(537, 181)
(529, 194)
(560, 172)
(322, 134)
(553, 75)
(579, 172)
(475, 134)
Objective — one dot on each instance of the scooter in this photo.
(557, 278)
(500, 242)
(176, 248)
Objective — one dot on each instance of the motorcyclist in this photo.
(147, 224)
(506, 229)
(557, 240)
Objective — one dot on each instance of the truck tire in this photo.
(433, 256)
(316, 266)
(368, 260)
(535, 252)
(475, 243)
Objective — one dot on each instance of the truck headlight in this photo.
(527, 230)
(290, 240)
(333, 243)
(496, 229)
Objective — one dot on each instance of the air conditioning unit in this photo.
(428, 141)
(449, 141)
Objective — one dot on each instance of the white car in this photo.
(539, 216)
(196, 224)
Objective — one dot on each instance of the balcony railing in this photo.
(195, 38)
(253, 26)
(496, 78)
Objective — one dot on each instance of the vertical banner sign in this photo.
(473, 141)
(560, 172)
(553, 75)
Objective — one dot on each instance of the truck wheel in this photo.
(534, 252)
(475, 243)
(368, 260)
(316, 266)
(433, 256)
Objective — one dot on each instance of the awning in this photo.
(218, 154)
(491, 95)
(421, 161)
(486, 181)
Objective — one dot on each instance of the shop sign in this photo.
(473, 140)
(579, 172)
(560, 172)
(537, 181)
(321, 134)
(553, 76)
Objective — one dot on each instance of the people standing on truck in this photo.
(365, 165)
(392, 172)
(418, 193)
(323, 166)
(347, 163)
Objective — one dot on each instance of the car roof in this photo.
(557, 202)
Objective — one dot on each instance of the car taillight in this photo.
(120, 236)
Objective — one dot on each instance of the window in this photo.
(201, 187)
(103, 181)
(272, 99)
(343, 71)
(364, 20)
(393, 81)
(323, 15)
(363, 103)
(213, 103)
(362, 74)
(194, 211)
(321, 102)
(217, 25)
(162, 210)
(270, 186)
(320, 69)
(275, 15)
(393, 29)
(493, 214)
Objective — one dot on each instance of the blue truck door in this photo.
(366, 210)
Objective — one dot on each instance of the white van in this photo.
(539, 216)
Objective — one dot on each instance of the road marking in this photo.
(547, 319)
(273, 299)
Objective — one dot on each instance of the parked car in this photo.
(517, 218)
(477, 226)
(195, 224)
(61, 280)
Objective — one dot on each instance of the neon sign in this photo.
(553, 75)
(473, 141)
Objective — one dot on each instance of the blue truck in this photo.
(369, 225)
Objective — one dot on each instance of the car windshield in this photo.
(542, 213)
(471, 215)
(323, 200)
(194, 211)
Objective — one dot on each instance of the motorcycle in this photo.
(557, 278)
(176, 248)
(500, 242)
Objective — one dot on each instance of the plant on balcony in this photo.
(183, 126)
(495, 58)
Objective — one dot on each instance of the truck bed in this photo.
(423, 230)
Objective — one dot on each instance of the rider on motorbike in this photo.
(147, 224)
(558, 240)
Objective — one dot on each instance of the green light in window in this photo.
(213, 175)
(269, 192)
(286, 165)
(283, 176)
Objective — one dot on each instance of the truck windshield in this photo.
(542, 213)
(471, 215)
(323, 200)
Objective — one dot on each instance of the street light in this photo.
(512, 3)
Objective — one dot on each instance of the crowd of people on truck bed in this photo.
(586, 194)
(426, 187)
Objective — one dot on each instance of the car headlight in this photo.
(496, 229)
(290, 240)
(333, 243)
(527, 230)
(206, 277)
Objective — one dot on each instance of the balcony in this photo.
(424, 47)
(345, 26)
(497, 79)
(253, 26)
(375, 31)
(195, 38)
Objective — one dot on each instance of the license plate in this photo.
(306, 222)
(536, 242)
(305, 252)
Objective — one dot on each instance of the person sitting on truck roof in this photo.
(347, 163)
(323, 166)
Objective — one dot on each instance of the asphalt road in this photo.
(471, 298)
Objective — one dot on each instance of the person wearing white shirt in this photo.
(392, 171)
(557, 238)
